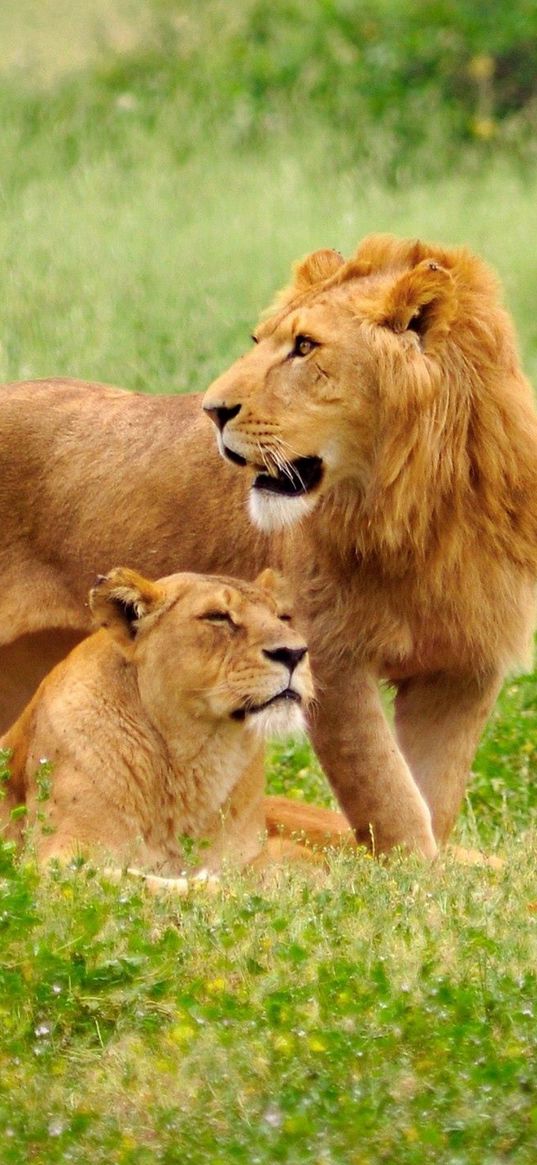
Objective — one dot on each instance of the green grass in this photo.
(152, 274)
(370, 1013)
(374, 1014)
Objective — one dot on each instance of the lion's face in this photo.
(212, 650)
(285, 410)
(305, 410)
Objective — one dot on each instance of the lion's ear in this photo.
(422, 300)
(274, 584)
(121, 599)
(307, 273)
(315, 268)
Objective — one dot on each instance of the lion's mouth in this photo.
(235, 458)
(296, 478)
(290, 480)
(250, 709)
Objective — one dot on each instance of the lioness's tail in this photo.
(306, 825)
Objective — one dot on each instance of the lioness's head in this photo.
(352, 352)
(207, 649)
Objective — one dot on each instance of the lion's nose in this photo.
(289, 656)
(220, 414)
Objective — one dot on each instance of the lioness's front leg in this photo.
(367, 770)
(439, 719)
(236, 833)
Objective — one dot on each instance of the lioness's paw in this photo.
(156, 884)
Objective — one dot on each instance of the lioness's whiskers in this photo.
(216, 688)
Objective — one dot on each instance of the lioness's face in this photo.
(215, 650)
(298, 409)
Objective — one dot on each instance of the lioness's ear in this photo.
(422, 300)
(274, 584)
(315, 268)
(120, 599)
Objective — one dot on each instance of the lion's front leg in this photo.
(439, 719)
(369, 774)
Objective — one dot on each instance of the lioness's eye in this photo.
(218, 617)
(303, 346)
(285, 618)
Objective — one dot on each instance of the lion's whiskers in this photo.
(275, 458)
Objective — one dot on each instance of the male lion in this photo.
(391, 445)
(389, 432)
(154, 728)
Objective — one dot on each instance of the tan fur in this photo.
(94, 475)
(139, 727)
(292, 821)
(415, 558)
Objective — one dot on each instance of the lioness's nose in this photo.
(220, 414)
(289, 656)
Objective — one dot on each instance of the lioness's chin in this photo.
(270, 511)
(283, 718)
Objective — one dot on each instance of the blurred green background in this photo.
(163, 162)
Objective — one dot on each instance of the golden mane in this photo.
(455, 449)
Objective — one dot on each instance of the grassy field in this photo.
(369, 1013)
(150, 273)
(372, 1014)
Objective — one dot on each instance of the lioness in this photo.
(388, 441)
(154, 727)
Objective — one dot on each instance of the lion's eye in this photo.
(285, 618)
(303, 346)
